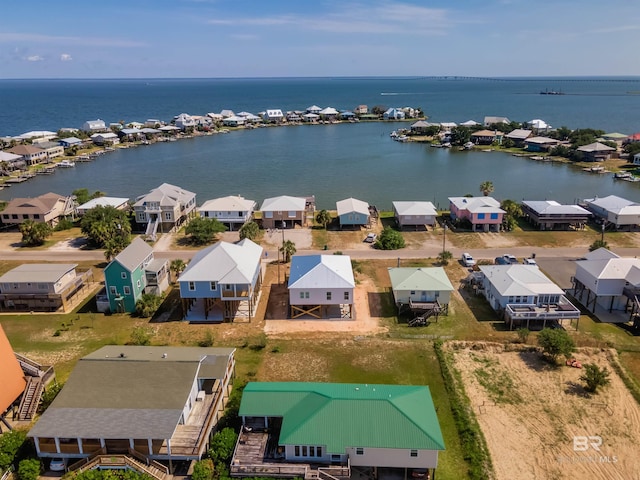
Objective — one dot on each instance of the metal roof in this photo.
(225, 262)
(612, 203)
(167, 195)
(432, 279)
(283, 203)
(477, 204)
(347, 415)
(527, 280)
(415, 208)
(551, 207)
(352, 205)
(321, 271)
(230, 203)
(114, 202)
(37, 273)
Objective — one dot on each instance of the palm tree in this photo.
(177, 266)
(486, 188)
(288, 249)
(323, 217)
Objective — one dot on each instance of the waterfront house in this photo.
(525, 297)
(233, 211)
(393, 114)
(11, 161)
(606, 282)
(550, 215)
(153, 123)
(415, 214)
(273, 115)
(234, 121)
(336, 425)
(48, 208)
(321, 286)
(222, 282)
(619, 138)
(94, 126)
(284, 212)
(12, 378)
(71, 142)
(420, 127)
(131, 273)
(184, 121)
(469, 123)
(353, 213)
(484, 213)
(118, 203)
(31, 154)
(540, 144)
(519, 135)
(415, 287)
(448, 125)
(53, 149)
(164, 208)
(314, 109)
(37, 136)
(361, 110)
(148, 403)
(227, 113)
(615, 210)
(107, 138)
(539, 126)
(596, 152)
(636, 159)
(488, 121)
(130, 134)
(249, 117)
(328, 113)
(486, 137)
(45, 287)
(293, 116)
(311, 117)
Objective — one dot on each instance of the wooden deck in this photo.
(250, 459)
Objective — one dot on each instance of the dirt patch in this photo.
(530, 415)
(301, 237)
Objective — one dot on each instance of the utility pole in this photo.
(444, 238)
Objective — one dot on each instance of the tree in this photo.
(288, 249)
(460, 135)
(390, 239)
(29, 469)
(379, 110)
(222, 445)
(249, 230)
(486, 188)
(598, 244)
(148, 304)
(107, 227)
(49, 396)
(177, 266)
(594, 377)
(114, 246)
(513, 212)
(34, 234)
(204, 230)
(323, 217)
(555, 342)
(445, 257)
(10, 444)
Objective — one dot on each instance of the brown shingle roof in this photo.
(25, 150)
(42, 204)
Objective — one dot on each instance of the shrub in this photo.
(10, 444)
(140, 336)
(147, 305)
(29, 469)
(594, 377)
(390, 239)
(64, 224)
(207, 341)
(222, 445)
(202, 470)
(555, 342)
(249, 230)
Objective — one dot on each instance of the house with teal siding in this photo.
(353, 212)
(133, 272)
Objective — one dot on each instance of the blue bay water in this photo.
(330, 161)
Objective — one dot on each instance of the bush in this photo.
(64, 224)
(140, 336)
(390, 239)
(249, 230)
(202, 470)
(10, 444)
(598, 244)
(594, 377)
(555, 342)
(207, 341)
(222, 445)
(49, 396)
(29, 469)
(148, 304)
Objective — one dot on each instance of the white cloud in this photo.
(65, 57)
(34, 58)
(375, 18)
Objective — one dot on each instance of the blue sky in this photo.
(304, 38)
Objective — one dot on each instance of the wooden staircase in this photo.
(30, 398)
(154, 469)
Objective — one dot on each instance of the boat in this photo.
(469, 145)
(66, 164)
(622, 175)
(552, 92)
(595, 169)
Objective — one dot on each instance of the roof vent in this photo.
(122, 355)
(164, 355)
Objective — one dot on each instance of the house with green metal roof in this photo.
(393, 426)
(153, 403)
(133, 272)
(424, 284)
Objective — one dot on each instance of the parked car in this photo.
(529, 261)
(420, 473)
(501, 261)
(467, 260)
(510, 258)
(58, 464)
(370, 238)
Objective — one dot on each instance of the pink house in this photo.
(484, 213)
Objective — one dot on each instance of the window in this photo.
(297, 451)
(346, 295)
(494, 216)
(14, 216)
(414, 453)
(192, 286)
(127, 290)
(138, 284)
(413, 292)
(304, 451)
(240, 214)
(167, 215)
(268, 214)
(301, 294)
(5, 216)
(123, 275)
(213, 285)
(318, 451)
(113, 291)
(481, 216)
(359, 451)
(292, 214)
(206, 214)
(328, 295)
(25, 216)
(42, 286)
(36, 215)
(510, 299)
